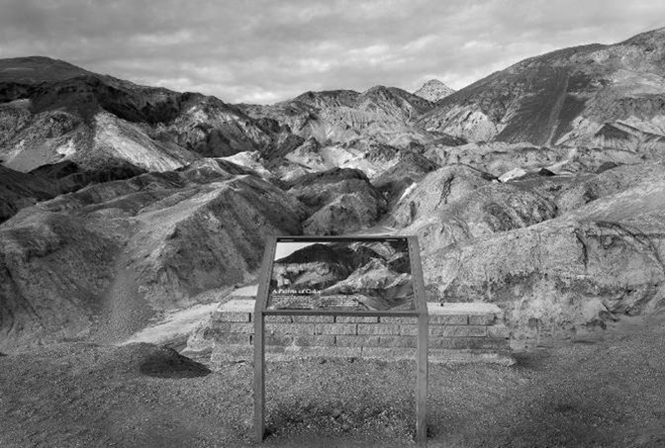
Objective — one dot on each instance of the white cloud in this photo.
(421, 43)
(266, 50)
(163, 39)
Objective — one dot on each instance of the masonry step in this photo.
(458, 332)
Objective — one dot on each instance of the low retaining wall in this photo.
(458, 332)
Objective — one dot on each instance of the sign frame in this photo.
(261, 310)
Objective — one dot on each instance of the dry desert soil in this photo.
(606, 390)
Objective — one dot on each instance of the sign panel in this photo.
(344, 274)
(361, 276)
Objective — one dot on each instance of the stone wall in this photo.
(458, 332)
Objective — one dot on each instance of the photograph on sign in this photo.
(342, 274)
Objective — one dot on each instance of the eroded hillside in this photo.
(109, 256)
(539, 188)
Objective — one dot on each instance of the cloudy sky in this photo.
(263, 51)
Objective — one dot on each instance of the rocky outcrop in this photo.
(340, 201)
(373, 160)
(71, 177)
(345, 214)
(253, 161)
(105, 258)
(20, 190)
(588, 188)
(157, 212)
(409, 169)
(561, 254)
(51, 112)
(383, 115)
(212, 128)
(452, 206)
(498, 158)
(570, 273)
(437, 189)
(433, 91)
(581, 96)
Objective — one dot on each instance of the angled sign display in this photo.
(357, 276)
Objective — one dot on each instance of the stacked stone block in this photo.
(457, 332)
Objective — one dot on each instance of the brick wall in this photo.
(457, 332)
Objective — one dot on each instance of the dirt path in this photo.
(123, 310)
(175, 325)
(597, 392)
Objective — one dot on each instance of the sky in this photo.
(284, 249)
(265, 51)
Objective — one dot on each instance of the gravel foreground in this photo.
(607, 391)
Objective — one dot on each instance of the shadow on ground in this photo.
(167, 363)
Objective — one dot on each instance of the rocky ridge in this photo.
(609, 95)
(434, 90)
(383, 115)
(102, 260)
(597, 259)
(53, 112)
(123, 201)
(340, 201)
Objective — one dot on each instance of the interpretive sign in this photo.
(352, 276)
(343, 274)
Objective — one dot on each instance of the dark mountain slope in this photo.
(52, 111)
(107, 257)
(19, 190)
(563, 96)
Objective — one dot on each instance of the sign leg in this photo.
(421, 382)
(259, 383)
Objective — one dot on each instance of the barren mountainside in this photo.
(96, 120)
(378, 115)
(572, 96)
(106, 258)
(539, 188)
(433, 90)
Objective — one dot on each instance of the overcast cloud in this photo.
(263, 51)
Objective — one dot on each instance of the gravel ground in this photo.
(606, 391)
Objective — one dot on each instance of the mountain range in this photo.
(592, 95)
(123, 201)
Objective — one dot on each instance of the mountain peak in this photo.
(38, 68)
(649, 37)
(377, 88)
(433, 90)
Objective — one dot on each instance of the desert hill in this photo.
(19, 190)
(433, 90)
(538, 188)
(565, 253)
(593, 95)
(378, 115)
(53, 112)
(106, 258)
